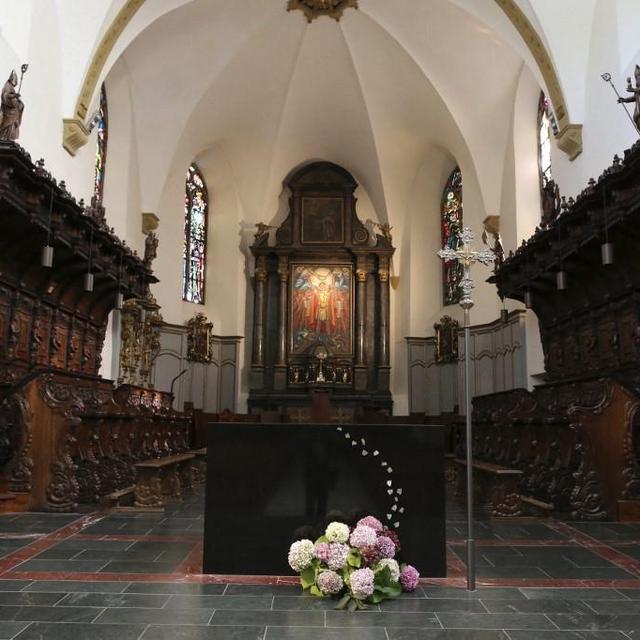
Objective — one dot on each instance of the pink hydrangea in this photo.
(321, 551)
(330, 582)
(363, 536)
(362, 583)
(409, 577)
(385, 546)
(372, 522)
(337, 558)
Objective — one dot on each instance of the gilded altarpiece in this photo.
(321, 305)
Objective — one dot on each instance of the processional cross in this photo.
(466, 256)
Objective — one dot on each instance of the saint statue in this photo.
(150, 248)
(12, 108)
(635, 98)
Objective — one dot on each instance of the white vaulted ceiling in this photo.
(374, 93)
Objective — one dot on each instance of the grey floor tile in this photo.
(567, 635)
(69, 586)
(58, 631)
(263, 589)
(188, 632)
(513, 572)
(299, 633)
(594, 573)
(14, 585)
(541, 605)
(446, 634)
(382, 619)
(66, 566)
(10, 629)
(49, 614)
(486, 593)
(632, 594)
(176, 587)
(433, 605)
(495, 621)
(573, 593)
(123, 566)
(302, 603)
(30, 598)
(596, 621)
(614, 606)
(248, 603)
(156, 616)
(268, 618)
(80, 544)
(139, 600)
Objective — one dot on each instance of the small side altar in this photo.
(271, 484)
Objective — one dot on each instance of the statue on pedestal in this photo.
(12, 108)
(635, 98)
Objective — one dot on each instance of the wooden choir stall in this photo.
(66, 437)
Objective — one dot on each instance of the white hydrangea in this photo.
(393, 565)
(337, 532)
(301, 555)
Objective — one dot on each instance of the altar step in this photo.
(13, 502)
(629, 510)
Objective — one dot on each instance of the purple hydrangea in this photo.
(409, 577)
(363, 536)
(386, 548)
(330, 582)
(362, 583)
(321, 551)
(372, 522)
(337, 557)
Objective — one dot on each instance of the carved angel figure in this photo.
(635, 98)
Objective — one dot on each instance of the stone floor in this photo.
(130, 576)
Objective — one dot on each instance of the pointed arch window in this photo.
(451, 225)
(545, 127)
(101, 146)
(196, 206)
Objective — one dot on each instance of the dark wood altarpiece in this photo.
(321, 310)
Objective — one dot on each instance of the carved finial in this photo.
(261, 230)
(312, 9)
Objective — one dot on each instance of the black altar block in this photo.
(271, 484)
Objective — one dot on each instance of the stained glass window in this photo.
(545, 125)
(451, 221)
(101, 147)
(196, 203)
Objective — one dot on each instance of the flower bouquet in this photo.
(357, 563)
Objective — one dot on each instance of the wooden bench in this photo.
(199, 466)
(161, 479)
(118, 498)
(495, 487)
(535, 507)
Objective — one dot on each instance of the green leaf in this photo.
(354, 558)
(308, 577)
(383, 577)
(353, 605)
(321, 539)
(316, 592)
(343, 602)
(376, 597)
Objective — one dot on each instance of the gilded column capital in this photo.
(361, 275)
(283, 268)
(383, 275)
(261, 269)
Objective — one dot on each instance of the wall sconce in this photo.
(607, 253)
(561, 280)
(88, 277)
(528, 297)
(46, 258)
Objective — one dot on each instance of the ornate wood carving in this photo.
(312, 9)
(199, 338)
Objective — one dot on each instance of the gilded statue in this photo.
(635, 98)
(12, 108)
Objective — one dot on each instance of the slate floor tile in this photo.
(299, 633)
(203, 633)
(248, 603)
(486, 593)
(433, 605)
(446, 634)
(596, 621)
(29, 598)
(592, 573)
(383, 619)
(155, 616)
(567, 635)
(14, 585)
(263, 589)
(58, 631)
(124, 566)
(540, 605)
(114, 600)
(49, 614)
(495, 621)
(569, 593)
(69, 586)
(10, 629)
(176, 588)
(66, 566)
(268, 618)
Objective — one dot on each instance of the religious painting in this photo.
(320, 308)
(322, 220)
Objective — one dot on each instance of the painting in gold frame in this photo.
(321, 310)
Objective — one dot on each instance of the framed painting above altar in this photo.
(322, 220)
(321, 308)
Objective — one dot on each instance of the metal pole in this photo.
(471, 556)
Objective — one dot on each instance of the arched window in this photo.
(196, 204)
(101, 147)
(545, 126)
(451, 222)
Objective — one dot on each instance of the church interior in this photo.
(274, 272)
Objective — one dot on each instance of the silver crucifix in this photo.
(466, 256)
